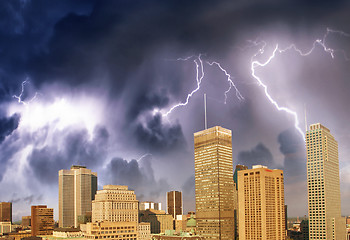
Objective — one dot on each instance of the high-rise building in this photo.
(5, 212)
(42, 220)
(77, 188)
(174, 203)
(325, 221)
(214, 183)
(115, 204)
(261, 204)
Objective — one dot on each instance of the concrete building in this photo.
(150, 205)
(261, 204)
(304, 229)
(325, 221)
(174, 203)
(42, 220)
(115, 204)
(111, 230)
(144, 231)
(5, 227)
(159, 220)
(5, 212)
(76, 189)
(26, 222)
(180, 223)
(214, 183)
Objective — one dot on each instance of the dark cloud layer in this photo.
(138, 176)
(8, 125)
(293, 148)
(76, 148)
(259, 155)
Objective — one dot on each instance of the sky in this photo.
(99, 83)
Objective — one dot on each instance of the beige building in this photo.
(325, 221)
(5, 227)
(42, 220)
(144, 229)
(214, 183)
(261, 204)
(115, 204)
(26, 221)
(150, 205)
(76, 189)
(111, 230)
(159, 220)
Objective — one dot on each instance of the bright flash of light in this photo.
(62, 112)
(143, 156)
(199, 77)
(231, 83)
(261, 50)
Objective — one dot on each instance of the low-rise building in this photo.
(111, 230)
(5, 227)
(144, 229)
(160, 221)
(26, 221)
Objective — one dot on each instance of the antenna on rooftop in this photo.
(205, 111)
(305, 117)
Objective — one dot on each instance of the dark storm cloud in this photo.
(154, 135)
(138, 176)
(8, 125)
(188, 187)
(28, 199)
(76, 148)
(292, 147)
(259, 155)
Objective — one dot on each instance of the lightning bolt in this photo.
(144, 155)
(261, 50)
(19, 97)
(199, 77)
(229, 79)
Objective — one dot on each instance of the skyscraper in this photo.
(325, 221)
(115, 203)
(261, 204)
(174, 203)
(42, 220)
(214, 183)
(77, 188)
(5, 212)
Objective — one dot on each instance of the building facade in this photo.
(77, 188)
(144, 231)
(115, 204)
(174, 203)
(325, 221)
(5, 212)
(158, 219)
(261, 204)
(111, 230)
(42, 220)
(26, 222)
(150, 205)
(214, 183)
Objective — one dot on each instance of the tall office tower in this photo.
(214, 183)
(174, 203)
(76, 189)
(261, 204)
(115, 204)
(5, 212)
(325, 221)
(42, 220)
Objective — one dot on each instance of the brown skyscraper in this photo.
(42, 220)
(5, 212)
(174, 203)
(214, 183)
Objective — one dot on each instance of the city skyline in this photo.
(91, 83)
